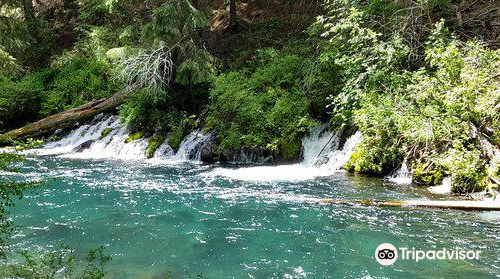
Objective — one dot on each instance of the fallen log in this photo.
(457, 205)
(70, 117)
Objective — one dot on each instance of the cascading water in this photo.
(444, 188)
(88, 142)
(401, 176)
(245, 156)
(336, 158)
(319, 142)
(192, 145)
(322, 154)
(82, 136)
(322, 157)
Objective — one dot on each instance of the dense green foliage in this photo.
(53, 90)
(419, 94)
(436, 117)
(153, 145)
(265, 109)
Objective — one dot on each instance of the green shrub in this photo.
(161, 112)
(267, 109)
(53, 90)
(427, 174)
(176, 135)
(5, 141)
(467, 167)
(20, 101)
(79, 81)
(373, 158)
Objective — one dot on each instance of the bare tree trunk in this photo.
(233, 20)
(29, 15)
(70, 117)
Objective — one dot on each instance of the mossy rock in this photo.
(134, 136)
(462, 184)
(105, 132)
(289, 149)
(427, 175)
(175, 139)
(154, 143)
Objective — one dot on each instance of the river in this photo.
(168, 216)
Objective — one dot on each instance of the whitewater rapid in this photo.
(89, 142)
(322, 157)
(105, 138)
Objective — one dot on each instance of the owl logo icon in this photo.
(386, 254)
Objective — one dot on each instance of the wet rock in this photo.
(84, 146)
(208, 153)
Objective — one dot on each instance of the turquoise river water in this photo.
(179, 220)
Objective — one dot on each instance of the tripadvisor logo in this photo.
(387, 254)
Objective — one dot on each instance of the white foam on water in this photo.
(322, 157)
(82, 134)
(296, 172)
(401, 176)
(85, 142)
(443, 189)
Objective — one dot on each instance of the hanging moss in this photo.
(153, 145)
(105, 132)
(134, 136)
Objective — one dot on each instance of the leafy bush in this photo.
(438, 117)
(266, 109)
(79, 81)
(20, 101)
(150, 112)
(53, 90)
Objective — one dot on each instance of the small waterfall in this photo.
(249, 156)
(164, 151)
(81, 137)
(318, 144)
(192, 145)
(444, 188)
(89, 142)
(319, 140)
(321, 148)
(337, 158)
(401, 176)
(113, 146)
